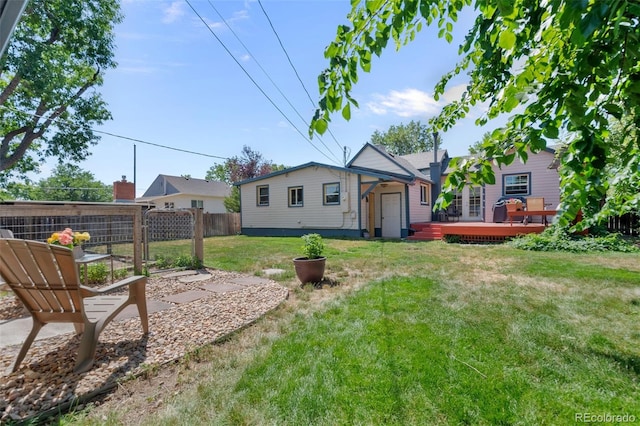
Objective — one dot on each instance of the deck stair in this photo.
(426, 231)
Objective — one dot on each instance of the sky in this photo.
(179, 86)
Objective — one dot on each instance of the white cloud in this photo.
(454, 93)
(407, 103)
(173, 12)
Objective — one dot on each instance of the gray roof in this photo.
(421, 160)
(165, 185)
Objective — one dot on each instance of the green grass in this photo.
(425, 333)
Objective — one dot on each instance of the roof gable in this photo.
(171, 185)
(374, 157)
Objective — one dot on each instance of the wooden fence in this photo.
(628, 224)
(216, 224)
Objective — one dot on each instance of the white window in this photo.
(519, 184)
(424, 194)
(168, 205)
(295, 196)
(331, 193)
(197, 204)
(262, 194)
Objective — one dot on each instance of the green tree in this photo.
(250, 164)
(559, 66)
(68, 182)
(404, 138)
(59, 51)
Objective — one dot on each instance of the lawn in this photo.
(422, 333)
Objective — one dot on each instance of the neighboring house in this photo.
(177, 192)
(377, 192)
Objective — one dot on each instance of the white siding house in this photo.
(378, 193)
(330, 200)
(177, 192)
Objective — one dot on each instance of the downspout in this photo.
(435, 174)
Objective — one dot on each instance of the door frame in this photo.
(399, 223)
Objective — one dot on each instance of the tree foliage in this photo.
(559, 66)
(68, 182)
(404, 138)
(250, 164)
(58, 53)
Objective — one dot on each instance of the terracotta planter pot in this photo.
(512, 207)
(309, 270)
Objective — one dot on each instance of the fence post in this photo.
(198, 235)
(137, 240)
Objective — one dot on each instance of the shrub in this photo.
(97, 273)
(189, 262)
(119, 274)
(559, 239)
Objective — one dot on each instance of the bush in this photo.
(559, 239)
(189, 262)
(97, 273)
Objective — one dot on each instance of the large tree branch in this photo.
(7, 160)
(11, 87)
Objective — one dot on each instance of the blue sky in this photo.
(176, 85)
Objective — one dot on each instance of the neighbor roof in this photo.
(165, 185)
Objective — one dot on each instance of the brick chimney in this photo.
(123, 191)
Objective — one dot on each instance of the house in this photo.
(177, 192)
(379, 193)
(537, 178)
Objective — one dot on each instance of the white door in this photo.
(391, 215)
(471, 203)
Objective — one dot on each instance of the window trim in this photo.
(504, 184)
(258, 201)
(324, 194)
(297, 187)
(196, 202)
(425, 194)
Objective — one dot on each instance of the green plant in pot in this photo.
(310, 267)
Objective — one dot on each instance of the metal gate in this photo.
(162, 226)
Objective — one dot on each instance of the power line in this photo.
(254, 82)
(269, 77)
(293, 66)
(120, 136)
(160, 146)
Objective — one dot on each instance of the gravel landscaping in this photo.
(186, 311)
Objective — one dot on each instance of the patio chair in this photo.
(45, 278)
(536, 204)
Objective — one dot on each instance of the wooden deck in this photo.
(473, 231)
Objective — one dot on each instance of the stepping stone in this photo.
(194, 278)
(187, 296)
(222, 287)
(179, 274)
(152, 306)
(273, 271)
(250, 281)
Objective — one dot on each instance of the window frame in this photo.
(199, 204)
(325, 194)
(299, 203)
(505, 185)
(259, 197)
(425, 194)
(169, 205)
